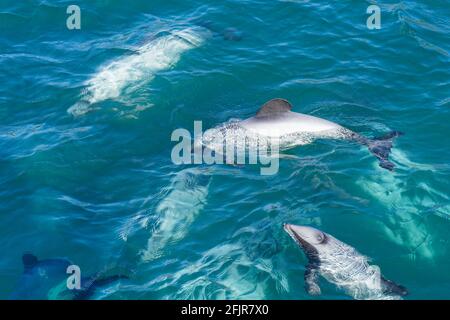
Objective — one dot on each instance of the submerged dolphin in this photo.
(177, 211)
(47, 279)
(230, 33)
(131, 72)
(275, 120)
(341, 265)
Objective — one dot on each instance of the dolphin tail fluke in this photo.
(110, 279)
(381, 148)
(92, 283)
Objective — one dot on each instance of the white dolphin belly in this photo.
(151, 58)
(133, 71)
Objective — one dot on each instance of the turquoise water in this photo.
(95, 186)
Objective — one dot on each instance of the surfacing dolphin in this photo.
(341, 265)
(47, 279)
(275, 120)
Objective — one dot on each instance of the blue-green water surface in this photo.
(96, 187)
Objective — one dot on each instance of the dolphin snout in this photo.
(303, 232)
(289, 228)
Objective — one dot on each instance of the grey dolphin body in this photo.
(341, 265)
(276, 120)
(43, 278)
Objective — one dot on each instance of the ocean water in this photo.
(86, 118)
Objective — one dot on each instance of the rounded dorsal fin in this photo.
(274, 106)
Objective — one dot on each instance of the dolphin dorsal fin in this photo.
(274, 106)
(29, 260)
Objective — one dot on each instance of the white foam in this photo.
(133, 71)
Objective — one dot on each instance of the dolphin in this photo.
(130, 72)
(177, 211)
(341, 265)
(275, 120)
(44, 279)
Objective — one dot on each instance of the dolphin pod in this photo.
(328, 257)
(341, 265)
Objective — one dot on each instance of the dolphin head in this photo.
(312, 240)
